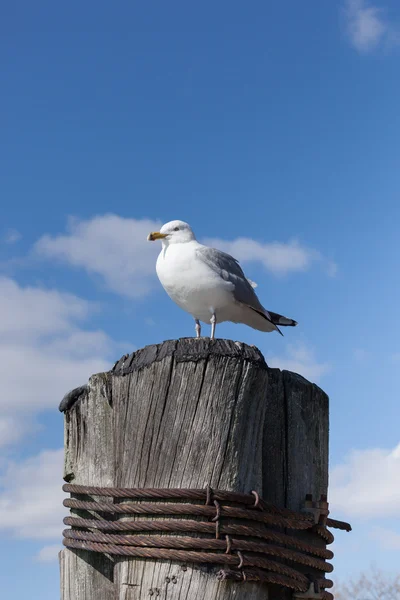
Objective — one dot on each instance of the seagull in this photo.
(209, 284)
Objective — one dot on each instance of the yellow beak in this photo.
(156, 235)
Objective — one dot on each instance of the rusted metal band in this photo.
(248, 516)
(187, 509)
(338, 524)
(187, 556)
(251, 574)
(324, 583)
(162, 494)
(207, 495)
(186, 526)
(180, 543)
(323, 532)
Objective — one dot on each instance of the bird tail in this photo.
(280, 320)
(267, 316)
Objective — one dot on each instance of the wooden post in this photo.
(186, 414)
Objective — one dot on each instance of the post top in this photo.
(188, 350)
(185, 350)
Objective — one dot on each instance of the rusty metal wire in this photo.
(172, 526)
(180, 543)
(162, 494)
(324, 583)
(189, 509)
(323, 532)
(188, 556)
(338, 524)
(251, 574)
(208, 494)
(244, 557)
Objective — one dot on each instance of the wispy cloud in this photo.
(300, 359)
(368, 26)
(13, 429)
(45, 350)
(110, 246)
(11, 236)
(367, 483)
(279, 258)
(48, 553)
(31, 498)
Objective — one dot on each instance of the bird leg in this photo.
(198, 328)
(213, 322)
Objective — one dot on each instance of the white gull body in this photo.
(207, 283)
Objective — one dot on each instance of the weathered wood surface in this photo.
(295, 447)
(189, 413)
(89, 455)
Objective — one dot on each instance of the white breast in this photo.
(193, 285)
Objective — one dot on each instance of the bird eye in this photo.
(176, 228)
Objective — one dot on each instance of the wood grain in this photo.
(295, 448)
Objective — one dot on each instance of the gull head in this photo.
(174, 232)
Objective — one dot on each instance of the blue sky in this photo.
(273, 130)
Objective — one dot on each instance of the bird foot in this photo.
(213, 322)
(198, 328)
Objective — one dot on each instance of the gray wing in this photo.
(229, 269)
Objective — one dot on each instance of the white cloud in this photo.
(48, 553)
(31, 503)
(367, 26)
(277, 257)
(44, 351)
(81, 344)
(34, 378)
(11, 236)
(301, 360)
(33, 312)
(110, 246)
(367, 484)
(13, 429)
